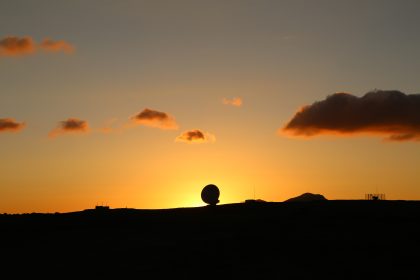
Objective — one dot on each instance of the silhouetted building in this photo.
(375, 196)
(101, 208)
(251, 201)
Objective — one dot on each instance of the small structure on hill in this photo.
(375, 196)
(254, 201)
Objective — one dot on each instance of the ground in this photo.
(296, 240)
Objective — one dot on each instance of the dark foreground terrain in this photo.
(300, 240)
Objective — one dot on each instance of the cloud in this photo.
(391, 114)
(19, 46)
(153, 118)
(15, 46)
(110, 126)
(195, 136)
(71, 125)
(10, 125)
(235, 101)
(56, 46)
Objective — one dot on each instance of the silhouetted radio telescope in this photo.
(210, 194)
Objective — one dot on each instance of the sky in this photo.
(141, 104)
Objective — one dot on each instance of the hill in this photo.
(318, 239)
(307, 197)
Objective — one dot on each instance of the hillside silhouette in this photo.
(306, 197)
(310, 240)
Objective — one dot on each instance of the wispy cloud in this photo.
(56, 46)
(19, 46)
(70, 126)
(111, 125)
(235, 101)
(392, 114)
(195, 136)
(10, 125)
(153, 118)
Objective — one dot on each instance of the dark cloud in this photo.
(192, 135)
(10, 125)
(74, 124)
(392, 114)
(155, 118)
(71, 125)
(15, 46)
(195, 136)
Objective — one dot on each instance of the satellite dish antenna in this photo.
(210, 194)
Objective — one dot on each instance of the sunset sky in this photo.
(140, 104)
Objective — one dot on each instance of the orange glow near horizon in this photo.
(171, 175)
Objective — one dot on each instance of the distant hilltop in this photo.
(307, 197)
